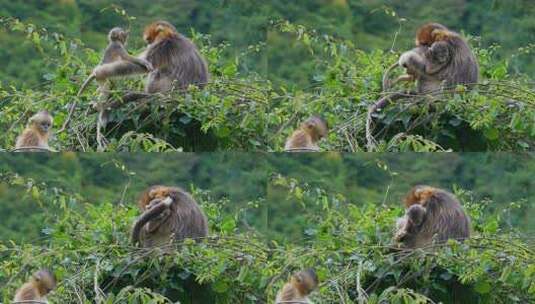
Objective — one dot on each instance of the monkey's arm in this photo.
(149, 215)
(428, 61)
(118, 69)
(137, 60)
(439, 56)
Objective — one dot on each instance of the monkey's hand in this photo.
(147, 65)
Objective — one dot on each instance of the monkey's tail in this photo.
(85, 84)
(146, 217)
(386, 76)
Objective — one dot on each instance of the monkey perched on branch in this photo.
(169, 213)
(35, 137)
(37, 288)
(306, 138)
(432, 214)
(441, 59)
(176, 60)
(299, 287)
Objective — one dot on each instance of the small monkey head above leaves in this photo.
(159, 30)
(316, 127)
(46, 281)
(118, 34)
(305, 281)
(41, 122)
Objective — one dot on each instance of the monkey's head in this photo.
(118, 34)
(41, 122)
(430, 33)
(305, 281)
(45, 281)
(158, 31)
(419, 195)
(316, 127)
(158, 192)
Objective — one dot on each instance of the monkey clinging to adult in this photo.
(37, 288)
(35, 136)
(169, 213)
(115, 52)
(442, 58)
(176, 61)
(307, 136)
(432, 215)
(299, 287)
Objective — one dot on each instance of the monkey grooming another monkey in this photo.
(169, 213)
(176, 60)
(35, 136)
(432, 214)
(306, 137)
(442, 58)
(299, 287)
(37, 288)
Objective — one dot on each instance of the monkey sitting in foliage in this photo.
(169, 213)
(299, 287)
(37, 288)
(35, 137)
(432, 215)
(308, 135)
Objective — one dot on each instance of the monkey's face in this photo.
(157, 31)
(317, 127)
(118, 34)
(46, 280)
(42, 122)
(305, 281)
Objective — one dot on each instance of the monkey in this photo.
(35, 136)
(176, 60)
(169, 213)
(306, 137)
(114, 52)
(299, 287)
(410, 223)
(37, 288)
(442, 58)
(432, 214)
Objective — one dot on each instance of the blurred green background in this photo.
(243, 180)
(370, 24)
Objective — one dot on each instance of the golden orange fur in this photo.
(159, 30)
(299, 287)
(430, 33)
(419, 195)
(308, 135)
(41, 283)
(37, 131)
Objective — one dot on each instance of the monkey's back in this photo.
(178, 63)
(446, 218)
(27, 293)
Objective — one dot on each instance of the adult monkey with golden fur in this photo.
(299, 287)
(37, 288)
(169, 213)
(35, 136)
(442, 58)
(176, 60)
(432, 214)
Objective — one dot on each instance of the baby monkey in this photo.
(299, 287)
(35, 137)
(115, 51)
(308, 135)
(37, 288)
(410, 224)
